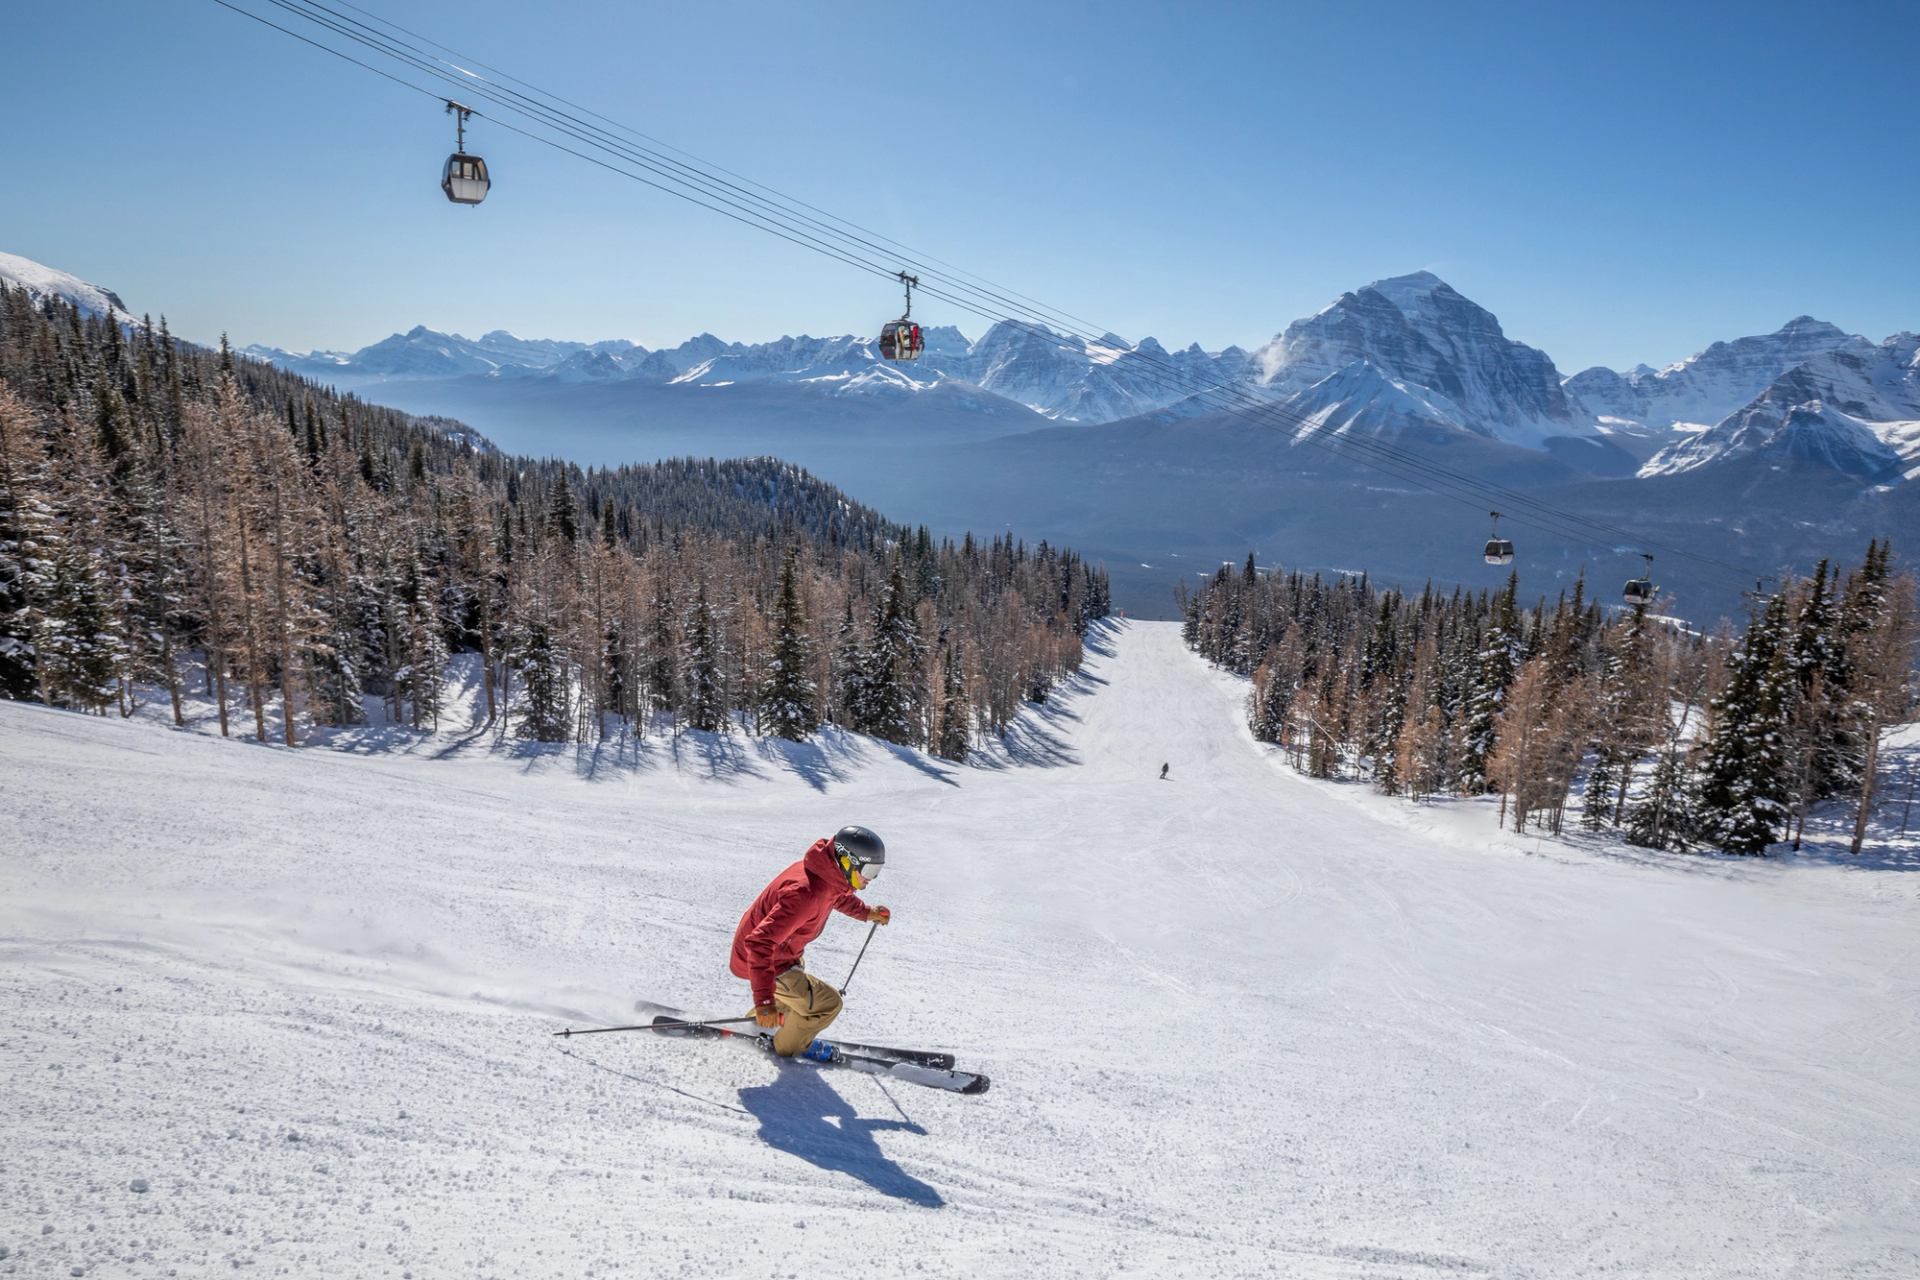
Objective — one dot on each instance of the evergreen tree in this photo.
(80, 643)
(956, 713)
(848, 698)
(886, 683)
(1494, 672)
(563, 519)
(662, 654)
(419, 681)
(26, 566)
(1744, 769)
(702, 661)
(1662, 818)
(788, 695)
(546, 711)
(1626, 721)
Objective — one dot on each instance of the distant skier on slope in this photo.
(769, 945)
(1163, 771)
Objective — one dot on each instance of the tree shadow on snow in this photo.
(1036, 737)
(1100, 636)
(1893, 826)
(802, 1115)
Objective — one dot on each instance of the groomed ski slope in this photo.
(287, 1013)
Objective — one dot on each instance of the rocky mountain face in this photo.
(1764, 451)
(1360, 399)
(1059, 376)
(1854, 409)
(1403, 359)
(1417, 331)
(1704, 388)
(1413, 331)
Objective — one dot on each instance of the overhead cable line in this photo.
(847, 243)
(1425, 474)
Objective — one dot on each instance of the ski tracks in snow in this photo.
(1240, 1023)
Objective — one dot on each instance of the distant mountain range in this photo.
(1405, 357)
(1762, 451)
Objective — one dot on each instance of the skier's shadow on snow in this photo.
(802, 1115)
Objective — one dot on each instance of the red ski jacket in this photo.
(788, 914)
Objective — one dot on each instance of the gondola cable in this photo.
(1367, 451)
(779, 220)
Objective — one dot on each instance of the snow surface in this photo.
(288, 1013)
(42, 281)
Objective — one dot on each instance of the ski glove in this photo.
(766, 1015)
(879, 915)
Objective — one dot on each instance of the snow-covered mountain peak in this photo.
(1421, 332)
(1361, 399)
(41, 282)
(1709, 385)
(1413, 293)
(1808, 329)
(1854, 408)
(945, 340)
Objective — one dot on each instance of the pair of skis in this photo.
(913, 1066)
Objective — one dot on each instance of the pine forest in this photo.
(174, 518)
(1683, 741)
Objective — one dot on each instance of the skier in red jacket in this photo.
(769, 945)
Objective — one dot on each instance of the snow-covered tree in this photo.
(26, 564)
(702, 663)
(1743, 772)
(789, 699)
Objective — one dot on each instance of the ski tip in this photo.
(980, 1085)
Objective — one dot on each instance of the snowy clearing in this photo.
(290, 1011)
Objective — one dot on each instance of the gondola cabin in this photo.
(902, 340)
(1499, 551)
(465, 178)
(1639, 591)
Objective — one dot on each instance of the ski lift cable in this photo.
(1589, 527)
(786, 207)
(772, 229)
(1582, 528)
(1425, 475)
(544, 116)
(1419, 472)
(917, 254)
(1376, 454)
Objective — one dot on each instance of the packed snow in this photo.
(290, 1012)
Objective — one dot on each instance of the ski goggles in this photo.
(863, 872)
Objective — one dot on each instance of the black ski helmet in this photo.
(858, 849)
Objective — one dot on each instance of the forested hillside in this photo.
(1722, 741)
(171, 514)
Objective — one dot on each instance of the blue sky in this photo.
(1617, 182)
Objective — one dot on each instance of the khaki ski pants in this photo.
(807, 1005)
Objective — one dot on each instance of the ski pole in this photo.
(871, 930)
(657, 1026)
